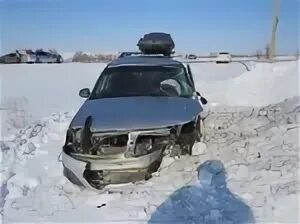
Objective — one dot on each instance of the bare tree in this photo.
(83, 57)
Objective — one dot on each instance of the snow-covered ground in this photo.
(266, 83)
(32, 92)
(250, 129)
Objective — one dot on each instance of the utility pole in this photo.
(276, 6)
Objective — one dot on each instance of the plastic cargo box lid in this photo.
(156, 43)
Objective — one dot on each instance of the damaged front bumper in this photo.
(97, 173)
(111, 160)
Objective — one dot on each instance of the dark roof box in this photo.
(156, 43)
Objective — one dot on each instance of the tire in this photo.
(59, 60)
(195, 137)
(198, 133)
(154, 167)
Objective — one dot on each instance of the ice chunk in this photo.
(199, 148)
(166, 162)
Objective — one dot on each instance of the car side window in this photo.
(11, 55)
(41, 53)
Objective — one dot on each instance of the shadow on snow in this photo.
(210, 201)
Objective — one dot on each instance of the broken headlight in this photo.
(73, 139)
(77, 135)
(143, 146)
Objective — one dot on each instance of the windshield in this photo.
(127, 81)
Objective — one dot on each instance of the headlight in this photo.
(143, 147)
(75, 136)
(73, 139)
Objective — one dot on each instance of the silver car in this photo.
(47, 57)
(12, 58)
(140, 108)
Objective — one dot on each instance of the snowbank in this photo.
(258, 147)
(265, 84)
(33, 92)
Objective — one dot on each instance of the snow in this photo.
(32, 92)
(67, 56)
(208, 202)
(266, 83)
(248, 170)
(199, 148)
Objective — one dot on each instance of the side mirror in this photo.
(203, 100)
(85, 93)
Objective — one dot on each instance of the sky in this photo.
(197, 26)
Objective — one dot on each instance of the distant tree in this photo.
(80, 57)
(83, 57)
(268, 51)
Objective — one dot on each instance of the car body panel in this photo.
(77, 167)
(192, 56)
(10, 58)
(115, 171)
(223, 57)
(27, 56)
(136, 113)
(119, 163)
(47, 57)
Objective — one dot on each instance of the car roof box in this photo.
(156, 43)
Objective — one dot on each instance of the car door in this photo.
(41, 57)
(12, 58)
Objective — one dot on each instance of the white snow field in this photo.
(246, 170)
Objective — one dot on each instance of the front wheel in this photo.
(195, 136)
(198, 130)
(154, 167)
(38, 60)
(59, 60)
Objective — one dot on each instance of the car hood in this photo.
(136, 113)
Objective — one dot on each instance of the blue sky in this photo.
(197, 26)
